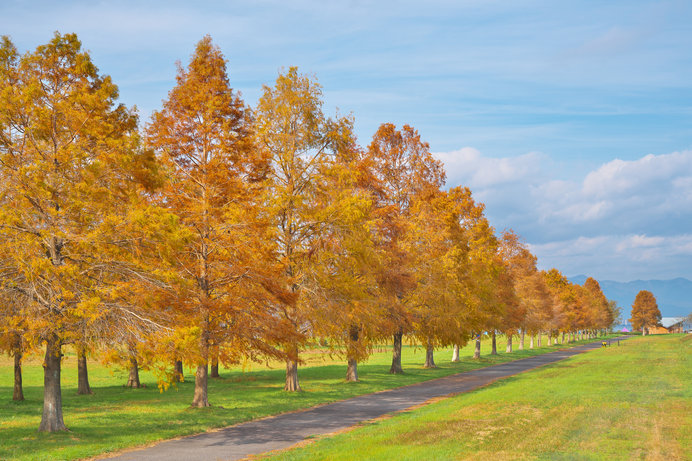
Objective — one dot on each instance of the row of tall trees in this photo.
(216, 232)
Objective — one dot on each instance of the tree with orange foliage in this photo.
(72, 177)
(304, 147)
(444, 303)
(645, 313)
(600, 315)
(203, 137)
(569, 310)
(530, 308)
(486, 290)
(402, 168)
(345, 309)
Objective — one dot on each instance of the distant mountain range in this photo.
(674, 296)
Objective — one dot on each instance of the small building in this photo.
(657, 330)
(676, 325)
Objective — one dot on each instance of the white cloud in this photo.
(467, 166)
(652, 171)
(612, 220)
(619, 257)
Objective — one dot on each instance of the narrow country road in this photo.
(282, 431)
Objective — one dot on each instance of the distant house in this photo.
(676, 325)
(657, 330)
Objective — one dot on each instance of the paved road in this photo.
(242, 440)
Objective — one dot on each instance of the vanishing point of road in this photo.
(282, 431)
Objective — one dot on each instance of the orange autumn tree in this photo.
(304, 146)
(600, 313)
(487, 288)
(521, 268)
(569, 310)
(645, 312)
(402, 167)
(441, 302)
(203, 137)
(345, 310)
(70, 174)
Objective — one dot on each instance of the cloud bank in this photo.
(620, 221)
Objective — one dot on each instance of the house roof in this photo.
(668, 322)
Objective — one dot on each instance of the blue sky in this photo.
(572, 121)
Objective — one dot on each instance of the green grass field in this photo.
(116, 417)
(617, 403)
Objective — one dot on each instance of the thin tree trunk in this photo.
(396, 369)
(477, 351)
(509, 342)
(292, 384)
(83, 387)
(643, 331)
(179, 373)
(51, 420)
(563, 337)
(133, 378)
(538, 341)
(531, 342)
(521, 341)
(18, 394)
(429, 359)
(201, 397)
(493, 343)
(455, 354)
(550, 338)
(352, 370)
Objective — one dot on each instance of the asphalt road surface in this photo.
(282, 431)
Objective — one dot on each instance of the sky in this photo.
(571, 121)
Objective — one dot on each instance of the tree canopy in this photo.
(218, 232)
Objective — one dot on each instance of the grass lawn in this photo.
(116, 417)
(627, 402)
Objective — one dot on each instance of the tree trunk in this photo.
(455, 354)
(531, 343)
(179, 373)
(521, 341)
(429, 359)
(292, 384)
(396, 369)
(563, 337)
(352, 370)
(643, 331)
(550, 338)
(538, 341)
(509, 342)
(51, 420)
(133, 379)
(477, 351)
(214, 373)
(18, 394)
(201, 397)
(83, 387)
(493, 344)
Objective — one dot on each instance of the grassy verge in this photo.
(115, 417)
(628, 402)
